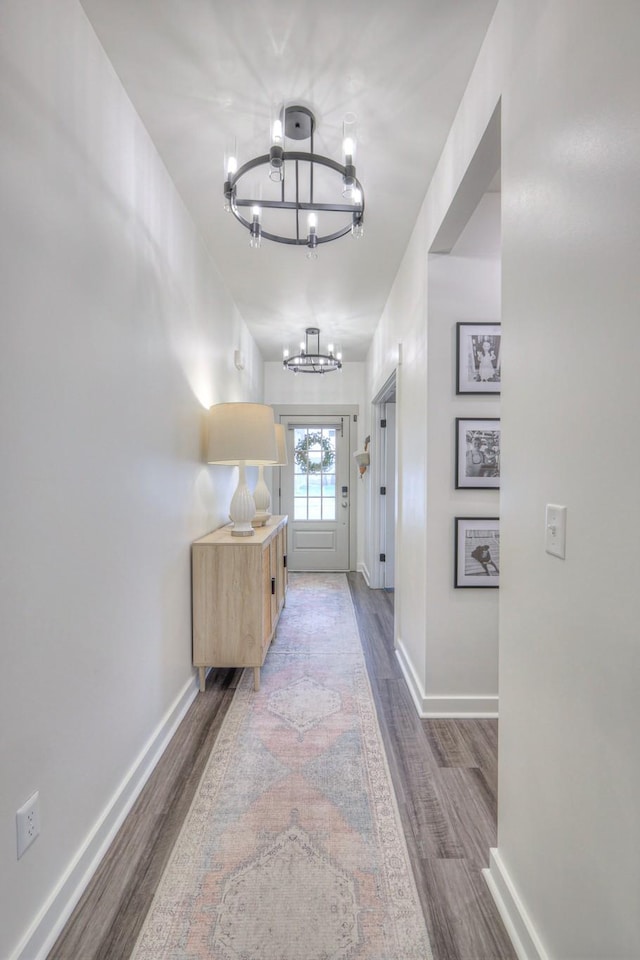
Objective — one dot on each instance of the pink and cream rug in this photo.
(293, 847)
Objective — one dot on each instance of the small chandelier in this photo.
(292, 187)
(312, 361)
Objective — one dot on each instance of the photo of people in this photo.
(477, 560)
(477, 452)
(478, 358)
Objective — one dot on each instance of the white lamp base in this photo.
(243, 508)
(260, 519)
(262, 499)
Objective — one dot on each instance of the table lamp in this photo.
(241, 434)
(261, 493)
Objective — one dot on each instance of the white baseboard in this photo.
(465, 707)
(522, 934)
(49, 922)
(362, 568)
(411, 677)
(443, 707)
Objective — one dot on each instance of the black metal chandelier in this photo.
(299, 183)
(310, 360)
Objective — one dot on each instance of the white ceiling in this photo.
(202, 72)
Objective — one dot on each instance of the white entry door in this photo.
(315, 492)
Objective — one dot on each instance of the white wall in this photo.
(400, 344)
(446, 639)
(566, 869)
(342, 386)
(116, 333)
(462, 624)
(569, 829)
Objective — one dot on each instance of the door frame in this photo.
(389, 390)
(351, 410)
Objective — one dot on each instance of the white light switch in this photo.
(556, 530)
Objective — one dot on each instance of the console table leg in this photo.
(203, 678)
(256, 678)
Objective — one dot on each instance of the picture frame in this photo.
(477, 453)
(478, 358)
(477, 552)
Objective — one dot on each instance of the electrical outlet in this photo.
(28, 823)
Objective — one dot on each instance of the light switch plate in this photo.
(556, 530)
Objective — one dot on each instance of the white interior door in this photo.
(315, 492)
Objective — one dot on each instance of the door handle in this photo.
(344, 503)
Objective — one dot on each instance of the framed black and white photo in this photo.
(477, 552)
(477, 453)
(478, 364)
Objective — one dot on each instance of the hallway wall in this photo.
(570, 658)
(117, 332)
(462, 624)
(567, 74)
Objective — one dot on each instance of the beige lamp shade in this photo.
(241, 432)
(281, 442)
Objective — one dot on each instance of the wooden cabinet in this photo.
(239, 588)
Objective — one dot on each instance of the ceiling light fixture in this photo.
(296, 184)
(312, 361)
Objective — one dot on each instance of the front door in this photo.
(315, 492)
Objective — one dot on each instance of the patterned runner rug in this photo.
(293, 847)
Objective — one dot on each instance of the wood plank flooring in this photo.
(445, 777)
(444, 773)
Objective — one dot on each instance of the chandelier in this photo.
(300, 184)
(312, 361)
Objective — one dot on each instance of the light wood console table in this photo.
(239, 586)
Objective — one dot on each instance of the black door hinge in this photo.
(383, 491)
(383, 423)
(284, 560)
(383, 557)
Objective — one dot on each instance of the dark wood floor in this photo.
(444, 773)
(445, 776)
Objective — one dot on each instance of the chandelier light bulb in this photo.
(232, 166)
(357, 229)
(276, 153)
(312, 238)
(349, 132)
(285, 352)
(339, 355)
(348, 148)
(330, 348)
(255, 233)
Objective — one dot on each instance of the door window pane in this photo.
(328, 509)
(300, 508)
(314, 473)
(315, 508)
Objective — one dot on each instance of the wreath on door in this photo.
(305, 444)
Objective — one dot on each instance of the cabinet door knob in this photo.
(273, 585)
